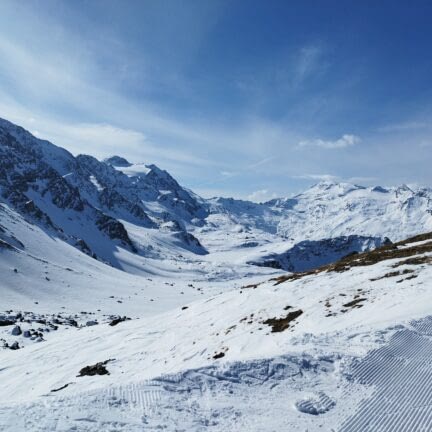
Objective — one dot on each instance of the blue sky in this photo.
(250, 99)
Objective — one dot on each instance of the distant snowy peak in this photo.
(117, 161)
(340, 189)
(329, 190)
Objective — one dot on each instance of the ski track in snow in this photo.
(402, 375)
(387, 390)
(236, 397)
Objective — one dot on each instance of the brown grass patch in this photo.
(281, 324)
(383, 253)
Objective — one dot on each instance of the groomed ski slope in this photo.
(215, 363)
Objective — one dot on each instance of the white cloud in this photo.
(89, 135)
(228, 174)
(343, 142)
(261, 195)
(362, 180)
(103, 139)
(66, 90)
(317, 177)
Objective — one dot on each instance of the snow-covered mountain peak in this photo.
(117, 161)
(332, 189)
(379, 189)
(22, 141)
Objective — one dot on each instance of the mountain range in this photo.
(119, 212)
(131, 303)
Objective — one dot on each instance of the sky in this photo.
(251, 99)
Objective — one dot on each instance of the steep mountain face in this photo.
(84, 200)
(33, 180)
(114, 209)
(163, 196)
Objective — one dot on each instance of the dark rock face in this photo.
(25, 206)
(110, 189)
(6, 322)
(114, 230)
(64, 196)
(118, 320)
(91, 323)
(191, 242)
(159, 185)
(112, 200)
(35, 175)
(83, 247)
(96, 369)
(219, 355)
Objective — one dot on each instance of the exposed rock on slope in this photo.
(310, 254)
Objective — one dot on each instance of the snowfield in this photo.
(318, 350)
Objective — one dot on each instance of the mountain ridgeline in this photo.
(101, 207)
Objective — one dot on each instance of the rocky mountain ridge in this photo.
(99, 206)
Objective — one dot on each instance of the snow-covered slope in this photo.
(332, 209)
(289, 353)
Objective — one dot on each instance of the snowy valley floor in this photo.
(346, 348)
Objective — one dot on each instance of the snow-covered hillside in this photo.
(130, 303)
(284, 353)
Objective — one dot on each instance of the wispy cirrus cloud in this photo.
(317, 177)
(160, 84)
(308, 62)
(344, 141)
(405, 126)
